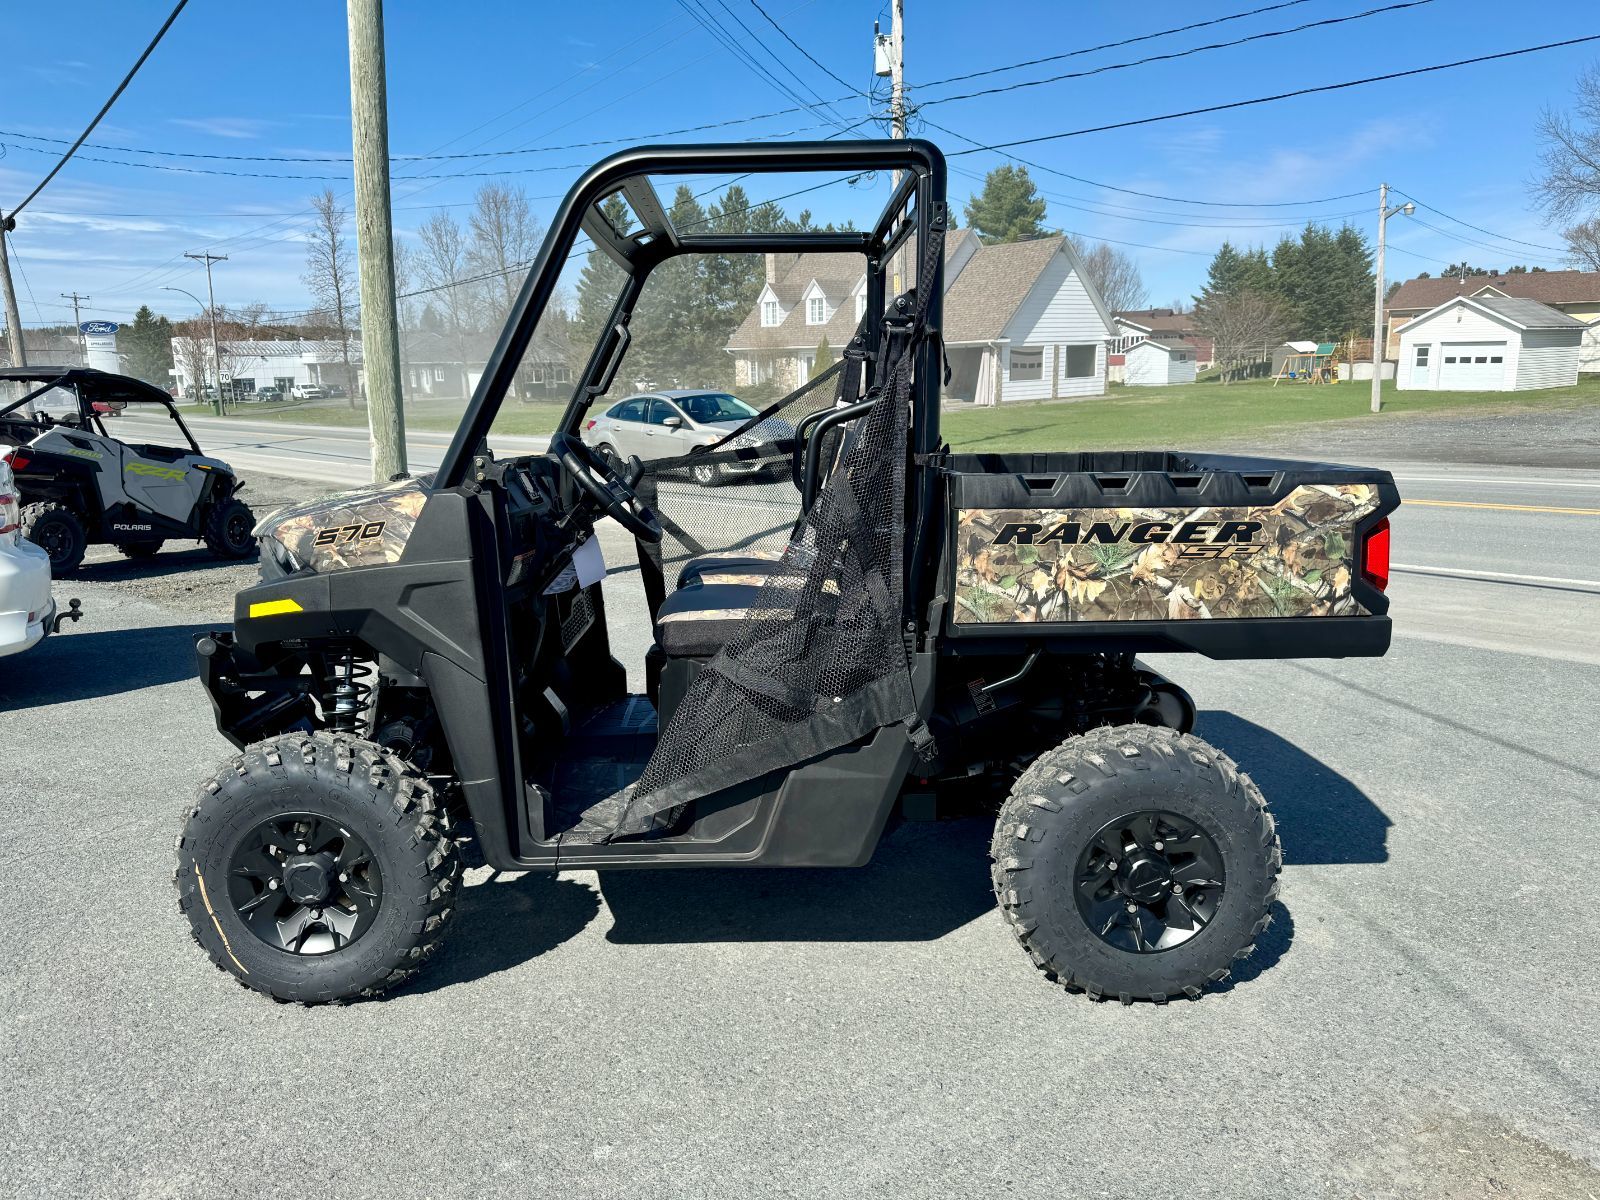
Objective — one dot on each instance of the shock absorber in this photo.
(345, 690)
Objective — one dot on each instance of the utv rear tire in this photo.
(59, 532)
(228, 529)
(1168, 807)
(359, 794)
(140, 550)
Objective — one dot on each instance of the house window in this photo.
(1027, 362)
(1079, 362)
(1495, 358)
(438, 374)
(769, 312)
(861, 306)
(815, 314)
(561, 374)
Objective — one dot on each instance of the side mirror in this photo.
(673, 423)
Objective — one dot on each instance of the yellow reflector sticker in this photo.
(274, 608)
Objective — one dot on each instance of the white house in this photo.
(1020, 321)
(250, 364)
(1156, 364)
(1489, 343)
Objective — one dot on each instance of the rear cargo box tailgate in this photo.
(1150, 551)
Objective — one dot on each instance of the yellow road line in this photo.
(1577, 512)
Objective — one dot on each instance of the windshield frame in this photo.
(916, 207)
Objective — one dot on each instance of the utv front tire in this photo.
(228, 529)
(316, 868)
(59, 532)
(1136, 862)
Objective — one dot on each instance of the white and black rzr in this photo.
(82, 486)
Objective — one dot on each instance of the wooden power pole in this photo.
(380, 336)
(19, 352)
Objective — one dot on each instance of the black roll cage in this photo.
(921, 190)
(84, 381)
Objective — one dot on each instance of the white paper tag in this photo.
(590, 563)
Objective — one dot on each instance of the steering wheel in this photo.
(609, 491)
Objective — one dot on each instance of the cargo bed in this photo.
(1156, 551)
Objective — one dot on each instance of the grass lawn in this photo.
(1191, 416)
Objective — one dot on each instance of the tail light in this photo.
(1375, 556)
(18, 458)
(588, 425)
(10, 513)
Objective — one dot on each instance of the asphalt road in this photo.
(1420, 1021)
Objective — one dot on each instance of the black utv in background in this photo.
(82, 485)
(426, 670)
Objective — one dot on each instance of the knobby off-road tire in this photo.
(228, 529)
(139, 550)
(365, 797)
(59, 532)
(1047, 851)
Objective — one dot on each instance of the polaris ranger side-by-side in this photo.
(426, 669)
(81, 485)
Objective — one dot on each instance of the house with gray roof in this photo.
(1489, 343)
(1021, 321)
(1576, 293)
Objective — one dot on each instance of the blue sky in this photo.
(232, 79)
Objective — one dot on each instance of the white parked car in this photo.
(308, 391)
(26, 609)
(671, 423)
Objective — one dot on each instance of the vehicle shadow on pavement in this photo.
(168, 562)
(1322, 817)
(96, 663)
(927, 879)
(505, 921)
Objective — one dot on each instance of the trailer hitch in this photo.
(74, 612)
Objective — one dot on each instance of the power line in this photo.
(813, 61)
(1500, 236)
(1176, 54)
(1456, 237)
(1144, 37)
(1309, 91)
(104, 108)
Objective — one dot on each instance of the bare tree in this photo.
(1570, 155)
(1114, 275)
(1244, 325)
(330, 274)
(505, 238)
(441, 262)
(405, 308)
(1583, 244)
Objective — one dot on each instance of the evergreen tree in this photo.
(824, 358)
(1009, 209)
(599, 285)
(148, 345)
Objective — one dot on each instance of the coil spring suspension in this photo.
(345, 690)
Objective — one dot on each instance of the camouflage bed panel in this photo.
(1295, 558)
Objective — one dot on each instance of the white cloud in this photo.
(226, 127)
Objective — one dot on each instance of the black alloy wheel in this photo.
(1148, 882)
(305, 884)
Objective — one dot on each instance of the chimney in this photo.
(772, 267)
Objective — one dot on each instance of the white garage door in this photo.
(1472, 366)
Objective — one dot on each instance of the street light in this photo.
(1378, 334)
(216, 362)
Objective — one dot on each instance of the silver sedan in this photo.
(668, 424)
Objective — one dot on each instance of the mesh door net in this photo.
(817, 661)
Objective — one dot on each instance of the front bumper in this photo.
(27, 612)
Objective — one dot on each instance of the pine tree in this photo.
(824, 358)
(599, 285)
(148, 345)
(1010, 209)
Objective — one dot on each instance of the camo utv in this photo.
(430, 670)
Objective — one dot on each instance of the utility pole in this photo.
(19, 353)
(889, 59)
(1378, 334)
(380, 336)
(77, 323)
(216, 359)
